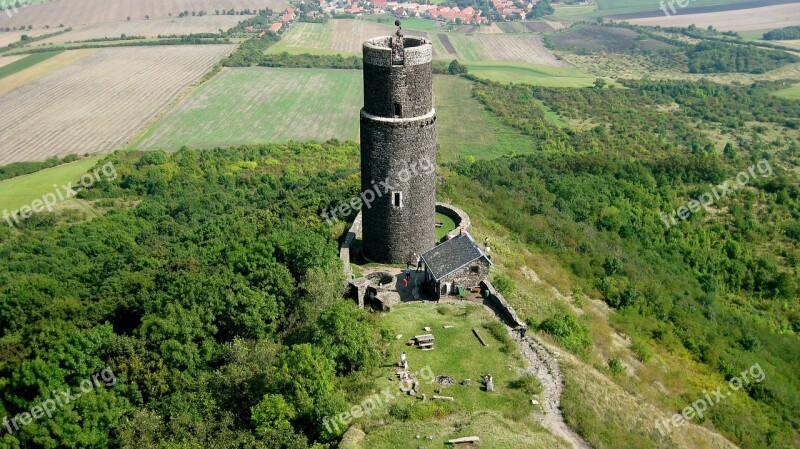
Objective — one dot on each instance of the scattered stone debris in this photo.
(436, 397)
(427, 329)
(477, 334)
(448, 326)
(398, 336)
(467, 382)
(445, 380)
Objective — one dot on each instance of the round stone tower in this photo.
(398, 149)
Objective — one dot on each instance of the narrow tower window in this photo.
(397, 199)
(398, 110)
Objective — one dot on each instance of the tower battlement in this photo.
(398, 133)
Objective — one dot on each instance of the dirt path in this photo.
(544, 365)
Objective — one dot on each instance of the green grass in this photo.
(447, 225)
(407, 24)
(538, 75)
(502, 419)
(259, 105)
(314, 38)
(461, 121)
(22, 190)
(24, 63)
(792, 93)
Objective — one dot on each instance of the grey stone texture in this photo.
(398, 152)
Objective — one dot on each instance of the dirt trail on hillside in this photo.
(544, 365)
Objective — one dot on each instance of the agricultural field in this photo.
(769, 17)
(10, 37)
(619, 7)
(22, 190)
(538, 75)
(485, 47)
(23, 62)
(148, 28)
(86, 12)
(4, 61)
(337, 36)
(98, 103)
(260, 105)
(41, 69)
(463, 125)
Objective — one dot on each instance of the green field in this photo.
(260, 105)
(612, 7)
(24, 63)
(22, 190)
(462, 122)
(314, 38)
(538, 75)
(501, 419)
(792, 93)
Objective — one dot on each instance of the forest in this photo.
(723, 285)
(216, 302)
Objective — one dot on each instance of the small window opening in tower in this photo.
(397, 199)
(398, 110)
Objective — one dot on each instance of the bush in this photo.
(615, 366)
(504, 284)
(528, 383)
(642, 351)
(498, 331)
(568, 332)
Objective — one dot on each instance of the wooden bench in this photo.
(425, 338)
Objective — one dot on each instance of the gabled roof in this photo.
(452, 255)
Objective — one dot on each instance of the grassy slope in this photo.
(24, 63)
(501, 419)
(792, 93)
(20, 191)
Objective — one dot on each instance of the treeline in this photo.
(787, 33)
(720, 285)
(718, 57)
(215, 301)
(185, 40)
(25, 40)
(306, 60)
(25, 168)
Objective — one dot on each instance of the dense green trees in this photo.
(722, 283)
(215, 298)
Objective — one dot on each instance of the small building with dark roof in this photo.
(458, 262)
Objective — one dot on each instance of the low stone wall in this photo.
(349, 240)
(457, 215)
(501, 304)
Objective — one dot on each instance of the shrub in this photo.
(498, 331)
(615, 366)
(504, 284)
(568, 332)
(528, 383)
(642, 351)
